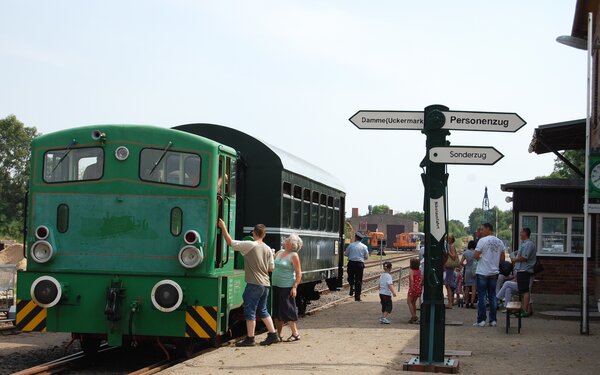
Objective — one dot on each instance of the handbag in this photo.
(452, 263)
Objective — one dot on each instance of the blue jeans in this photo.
(486, 285)
(255, 301)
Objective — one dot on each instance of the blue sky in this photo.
(293, 72)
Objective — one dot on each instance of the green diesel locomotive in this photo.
(122, 242)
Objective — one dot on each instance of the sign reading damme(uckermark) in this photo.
(388, 120)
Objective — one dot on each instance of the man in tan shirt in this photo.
(258, 262)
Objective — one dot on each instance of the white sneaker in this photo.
(380, 319)
(493, 323)
(385, 321)
(480, 324)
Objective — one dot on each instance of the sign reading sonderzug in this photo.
(454, 120)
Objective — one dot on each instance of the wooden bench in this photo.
(513, 308)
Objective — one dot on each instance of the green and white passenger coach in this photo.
(121, 230)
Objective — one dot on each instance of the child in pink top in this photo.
(415, 286)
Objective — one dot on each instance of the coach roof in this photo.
(249, 146)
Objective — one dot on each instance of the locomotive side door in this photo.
(225, 205)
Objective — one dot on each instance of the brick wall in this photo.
(563, 276)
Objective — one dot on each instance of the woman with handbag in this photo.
(451, 263)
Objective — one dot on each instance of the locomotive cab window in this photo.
(170, 167)
(73, 164)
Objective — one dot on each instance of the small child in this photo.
(458, 276)
(386, 290)
(415, 286)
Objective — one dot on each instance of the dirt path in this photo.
(348, 339)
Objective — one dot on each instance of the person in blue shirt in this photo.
(357, 253)
(524, 262)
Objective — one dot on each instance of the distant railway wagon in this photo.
(121, 230)
(409, 241)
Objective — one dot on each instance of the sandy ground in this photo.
(348, 339)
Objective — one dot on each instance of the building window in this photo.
(555, 234)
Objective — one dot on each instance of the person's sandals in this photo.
(293, 338)
(413, 321)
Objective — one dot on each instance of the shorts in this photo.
(284, 306)
(255, 301)
(523, 281)
(386, 303)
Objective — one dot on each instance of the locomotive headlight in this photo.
(42, 232)
(46, 291)
(191, 237)
(41, 251)
(166, 295)
(121, 153)
(190, 256)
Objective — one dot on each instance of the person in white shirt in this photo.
(489, 252)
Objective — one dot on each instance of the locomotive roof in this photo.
(250, 146)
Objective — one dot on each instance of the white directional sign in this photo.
(388, 120)
(483, 121)
(437, 219)
(465, 155)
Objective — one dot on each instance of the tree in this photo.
(15, 141)
(562, 170)
(380, 209)
(501, 220)
(417, 216)
(457, 228)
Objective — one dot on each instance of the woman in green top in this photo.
(286, 278)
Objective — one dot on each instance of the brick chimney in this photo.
(355, 212)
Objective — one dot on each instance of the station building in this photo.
(553, 208)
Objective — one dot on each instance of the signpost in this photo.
(435, 122)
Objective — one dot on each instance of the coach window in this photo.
(286, 205)
(73, 164)
(336, 214)
(314, 211)
(329, 214)
(306, 209)
(323, 212)
(297, 207)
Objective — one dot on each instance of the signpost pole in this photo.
(435, 180)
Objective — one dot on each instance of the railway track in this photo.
(78, 361)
